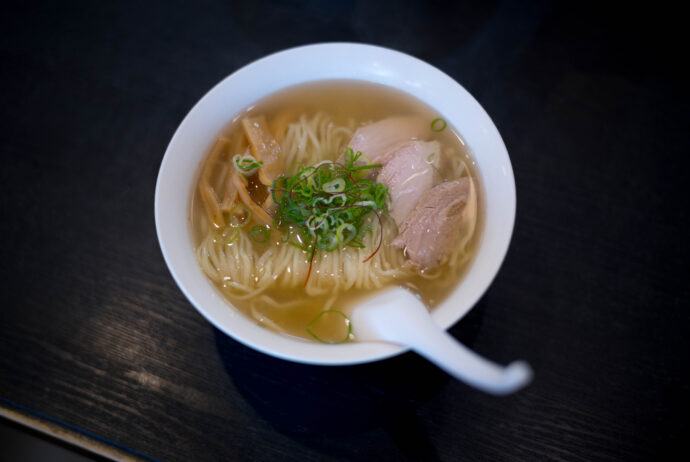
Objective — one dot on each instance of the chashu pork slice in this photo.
(410, 171)
(443, 219)
(378, 139)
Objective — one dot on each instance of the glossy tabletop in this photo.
(98, 345)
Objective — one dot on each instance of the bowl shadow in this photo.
(317, 404)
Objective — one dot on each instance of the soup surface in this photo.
(265, 265)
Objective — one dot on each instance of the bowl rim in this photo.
(238, 326)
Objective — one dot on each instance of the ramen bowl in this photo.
(179, 173)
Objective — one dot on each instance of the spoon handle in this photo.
(417, 330)
(459, 361)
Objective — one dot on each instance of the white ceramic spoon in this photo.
(397, 316)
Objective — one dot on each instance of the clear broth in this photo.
(364, 102)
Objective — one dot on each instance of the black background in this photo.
(593, 106)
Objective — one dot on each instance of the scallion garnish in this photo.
(345, 233)
(223, 239)
(326, 204)
(246, 164)
(313, 325)
(438, 125)
(335, 186)
(260, 233)
(239, 216)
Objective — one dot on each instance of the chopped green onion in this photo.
(260, 233)
(342, 198)
(306, 172)
(327, 242)
(314, 323)
(438, 125)
(319, 200)
(370, 204)
(315, 222)
(239, 221)
(335, 186)
(323, 162)
(370, 164)
(349, 156)
(246, 164)
(334, 221)
(232, 239)
(345, 233)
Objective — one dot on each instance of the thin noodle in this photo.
(247, 271)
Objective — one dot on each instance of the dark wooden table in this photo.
(99, 347)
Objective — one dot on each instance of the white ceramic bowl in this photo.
(194, 136)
